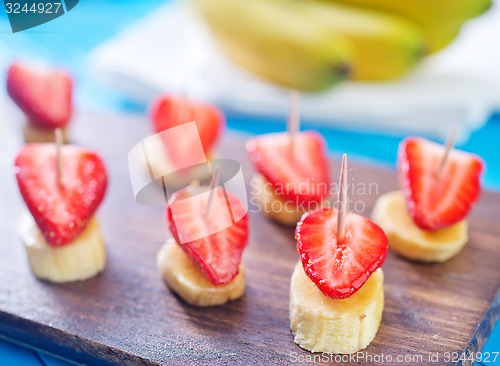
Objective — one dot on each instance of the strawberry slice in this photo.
(339, 270)
(43, 94)
(433, 202)
(301, 177)
(215, 242)
(169, 111)
(61, 210)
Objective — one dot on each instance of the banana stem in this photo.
(449, 146)
(59, 142)
(342, 201)
(293, 118)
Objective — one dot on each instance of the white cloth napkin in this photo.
(171, 50)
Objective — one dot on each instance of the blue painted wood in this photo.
(493, 345)
(12, 354)
(52, 361)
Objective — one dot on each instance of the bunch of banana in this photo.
(383, 45)
(312, 44)
(440, 20)
(276, 42)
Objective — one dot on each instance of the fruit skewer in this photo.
(426, 219)
(45, 96)
(336, 289)
(292, 170)
(202, 261)
(62, 187)
(167, 155)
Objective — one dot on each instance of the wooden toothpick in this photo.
(449, 146)
(182, 113)
(213, 183)
(59, 143)
(342, 201)
(293, 118)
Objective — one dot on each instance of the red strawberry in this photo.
(215, 243)
(169, 111)
(301, 177)
(433, 202)
(339, 270)
(44, 95)
(62, 210)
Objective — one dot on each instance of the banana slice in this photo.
(80, 260)
(323, 324)
(273, 206)
(32, 133)
(185, 279)
(408, 240)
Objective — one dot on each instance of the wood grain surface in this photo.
(126, 315)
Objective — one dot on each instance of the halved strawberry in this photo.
(43, 94)
(62, 210)
(169, 111)
(433, 202)
(301, 177)
(214, 242)
(339, 270)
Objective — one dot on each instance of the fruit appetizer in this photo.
(425, 221)
(166, 155)
(292, 172)
(44, 95)
(202, 262)
(336, 289)
(62, 187)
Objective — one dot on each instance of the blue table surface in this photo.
(68, 40)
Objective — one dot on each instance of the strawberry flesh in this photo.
(170, 111)
(299, 177)
(217, 248)
(339, 270)
(61, 210)
(437, 202)
(43, 95)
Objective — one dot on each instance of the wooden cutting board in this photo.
(126, 315)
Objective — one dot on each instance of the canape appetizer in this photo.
(292, 170)
(167, 154)
(289, 183)
(425, 221)
(44, 95)
(62, 192)
(202, 262)
(336, 289)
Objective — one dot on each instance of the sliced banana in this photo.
(32, 133)
(322, 324)
(82, 259)
(408, 240)
(273, 206)
(184, 278)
